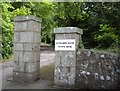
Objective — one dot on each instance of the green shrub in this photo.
(8, 13)
(107, 37)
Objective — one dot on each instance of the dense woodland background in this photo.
(100, 22)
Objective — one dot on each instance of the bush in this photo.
(7, 20)
(107, 37)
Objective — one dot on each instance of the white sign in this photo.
(65, 44)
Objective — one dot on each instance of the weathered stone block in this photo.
(26, 37)
(57, 62)
(26, 56)
(22, 66)
(64, 61)
(65, 75)
(16, 55)
(26, 66)
(21, 56)
(36, 47)
(27, 18)
(29, 56)
(16, 37)
(71, 57)
(28, 46)
(67, 30)
(18, 46)
(65, 36)
(59, 53)
(21, 25)
(65, 58)
(25, 77)
(36, 56)
(27, 23)
(57, 71)
(73, 70)
(34, 26)
(64, 71)
(56, 79)
(77, 38)
(36, 37)
(32, 67)
(67, 62)
(71, 80)
(16, 65)
(31, 47)
(19, 66)
(64, 80)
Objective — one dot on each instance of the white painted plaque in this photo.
(65, 44)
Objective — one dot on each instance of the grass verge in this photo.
(47, 72)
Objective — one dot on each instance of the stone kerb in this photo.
(66, 44)
(26, 48)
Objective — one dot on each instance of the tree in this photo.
(7, 20)
(7, 30)
(45, 11)
(103, 16)
(100, 21)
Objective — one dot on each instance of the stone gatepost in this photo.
(66, 45)
(26, 48)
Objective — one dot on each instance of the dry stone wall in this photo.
(96, 70)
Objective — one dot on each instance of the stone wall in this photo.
(96, 70)
(83, 68)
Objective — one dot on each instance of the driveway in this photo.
(6, 71)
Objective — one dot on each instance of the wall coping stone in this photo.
(68, 30)
(27, 18)
(100, 52)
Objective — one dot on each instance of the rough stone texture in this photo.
(84, 69)
(26, 48)
(25, 77)
(65, 69)
(65, 64)
(96, 70)
(28, 67)
(67, 30)
(27, 18)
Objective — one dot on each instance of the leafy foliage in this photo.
(107, 37)
(100, 22)
(45, 11)
(7, 30)
(99, 13)
(7, 19)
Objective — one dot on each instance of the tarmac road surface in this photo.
(6, 71)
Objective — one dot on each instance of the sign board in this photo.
(65, 45)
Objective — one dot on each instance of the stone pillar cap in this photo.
(27, 18)
(68, 30)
